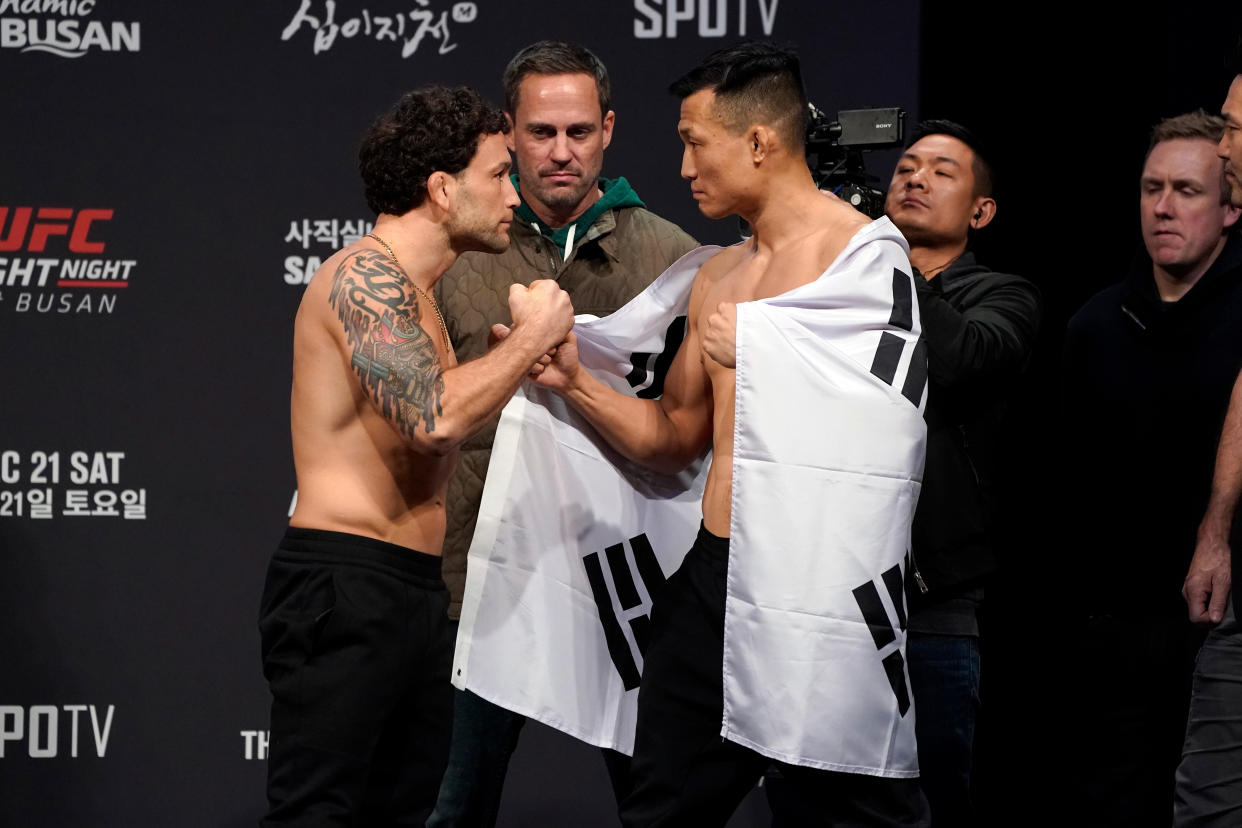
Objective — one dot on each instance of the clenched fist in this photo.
(720, 335)
(542, 311)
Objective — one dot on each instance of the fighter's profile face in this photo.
(559, 137)
(483, 209)
(931, 198)
(1230, 146)
(1180, 207)
(713, 160)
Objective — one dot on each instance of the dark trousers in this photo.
(485, 736)
(1209, 778)
(683, 772)
(1130, 695)
(944, 676)
(357, 653)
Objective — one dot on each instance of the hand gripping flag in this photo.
(828, 453)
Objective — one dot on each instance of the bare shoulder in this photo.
(841, 223)
(316, 304)
(353, 265)
(713, 271)
(722, 262)
(373, 313)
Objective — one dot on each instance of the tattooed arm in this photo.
(389, 330)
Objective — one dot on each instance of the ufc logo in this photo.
(48, 222)
(882, 632)
(624, 610)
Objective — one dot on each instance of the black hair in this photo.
(754, 82)
(984, 172)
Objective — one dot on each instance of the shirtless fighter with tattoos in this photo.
(355, 637)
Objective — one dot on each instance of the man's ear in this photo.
(511, 134)
(761, 138)
(441, 189)
(985, 211)
(1231, 216)
(609, 120)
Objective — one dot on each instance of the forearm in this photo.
(1208, 579)
(475, 392)
(639, 429)
(1227, 477)
(995, 335)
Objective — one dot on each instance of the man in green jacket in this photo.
(597, 240)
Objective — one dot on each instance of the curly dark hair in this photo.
(433, 128)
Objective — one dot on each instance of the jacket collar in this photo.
(600, 230)
(1142, 302)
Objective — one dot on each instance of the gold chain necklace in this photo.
(448, 346)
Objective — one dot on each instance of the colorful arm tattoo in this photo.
(395, 359)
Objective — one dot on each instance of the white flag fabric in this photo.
(828, 449)
(572, 538)
(828, 456)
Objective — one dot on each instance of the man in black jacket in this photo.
(979, 328)
(1148, 367)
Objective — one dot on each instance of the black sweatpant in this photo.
(357, 652)
(683, 772)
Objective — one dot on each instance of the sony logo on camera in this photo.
(835, 152)
(43, 729)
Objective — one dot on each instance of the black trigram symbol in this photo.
(873, 612)
(888, 352)
(626, 605)
(644, 372)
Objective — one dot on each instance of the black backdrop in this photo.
(170, 175)
(1067, 94)
(182, 156)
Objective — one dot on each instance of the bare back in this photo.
(357, 472)
(744, 273)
